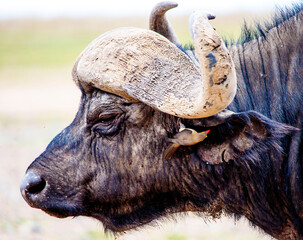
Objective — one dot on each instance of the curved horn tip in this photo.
(164, 6)
(158, 21)
(210, 16)
(199, 18)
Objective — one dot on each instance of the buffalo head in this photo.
(137, 85)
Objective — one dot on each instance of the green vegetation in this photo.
(41, 48)
(57, 43)
(97, 235)
(177, 237)
(50, 43)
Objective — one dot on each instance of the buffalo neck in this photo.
(269, 72)
(266, 189)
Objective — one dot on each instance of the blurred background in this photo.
(39, 42)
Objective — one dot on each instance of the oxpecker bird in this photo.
(185, 137)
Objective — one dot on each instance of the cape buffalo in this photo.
(139, 86)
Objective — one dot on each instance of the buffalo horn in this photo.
(159, 23)
(142, 65)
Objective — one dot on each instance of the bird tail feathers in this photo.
(171, 149)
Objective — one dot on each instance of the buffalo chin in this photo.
(115, 225)
(62, 210)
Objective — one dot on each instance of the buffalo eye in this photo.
(107, 123)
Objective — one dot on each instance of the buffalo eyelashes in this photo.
(107, 119)
(107, 124)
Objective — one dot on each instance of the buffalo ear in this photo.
(295, 165)
(245, 133)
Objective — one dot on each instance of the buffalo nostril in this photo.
(36, 187)
(32, 184)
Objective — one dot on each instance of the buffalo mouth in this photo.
(55, 207)
(37, 192)
(60, 210)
